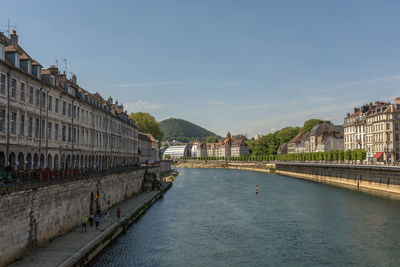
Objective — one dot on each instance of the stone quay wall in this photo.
(382, 181)
(33, 217)
(221, 164)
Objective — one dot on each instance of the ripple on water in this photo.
(213, 217)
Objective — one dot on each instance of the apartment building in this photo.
(49, 121)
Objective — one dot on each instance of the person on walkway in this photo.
(118, 213)
(97, 221)
(84, 222)
(91, 217)
(106, 215)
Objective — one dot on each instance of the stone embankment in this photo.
(221, 164)
(29, 219)
(383, 181)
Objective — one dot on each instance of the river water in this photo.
(212, 217)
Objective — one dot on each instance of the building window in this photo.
(69, 134)
(50, 102)
(73, 111)
(396, 126)
(49, 131)
(3, 84)
(42, 128)
(37, 92)
(387, 126)
(77, 114)
(2, 120)
(14, 88)
(43, 104)
(64, 108)
(14, 123)
(2, 52)
(69, 110)
(396, 137)
(22, 125)
(57, 103)
(30, 126)
(64, 133)
(56, 132)
(30, 95)
(22, 92)
(37, 128)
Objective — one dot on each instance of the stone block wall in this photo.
(33, 217)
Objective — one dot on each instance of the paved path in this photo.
(60, 249)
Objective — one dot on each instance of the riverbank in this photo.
(250, 166)
(77, 249)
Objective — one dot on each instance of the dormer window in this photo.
(29, 67)
(16, 60)
(2, 52)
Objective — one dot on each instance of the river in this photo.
(212, 217)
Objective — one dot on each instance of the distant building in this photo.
(225, 148)
(374, 127)
(325, 137)
(283, 148)
(296, 144)
(177, 152)
(239, 148)
(382, 131)
(355, 126)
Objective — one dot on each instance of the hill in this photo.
(183, 131)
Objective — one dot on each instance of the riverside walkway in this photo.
(68, 248)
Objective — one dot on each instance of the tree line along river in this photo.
(212, 217)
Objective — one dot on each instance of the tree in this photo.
(147, 124)
(167, 157)
(309, 124)
(212, 139)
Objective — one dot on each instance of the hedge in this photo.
(357, 154)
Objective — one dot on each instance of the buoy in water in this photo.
(257, 189)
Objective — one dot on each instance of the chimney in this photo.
(397, 101)
(53, 70)
(14, 38)
(73, 78)
(110, 100)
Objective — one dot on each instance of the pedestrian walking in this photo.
(84, 222)
(106, 215)
(91, 217)
(118, 213)
(97, 221)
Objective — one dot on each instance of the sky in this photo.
(241, 66)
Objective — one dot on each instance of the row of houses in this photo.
(323, 137)
(374, 127)
(49, 121)
(226, 148)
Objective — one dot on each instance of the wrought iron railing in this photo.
(46, 177)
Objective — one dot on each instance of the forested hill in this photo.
(183, 131)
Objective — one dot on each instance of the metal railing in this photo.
(40, 178)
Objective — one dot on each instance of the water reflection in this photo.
(213, 217)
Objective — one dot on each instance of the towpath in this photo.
(63, 250)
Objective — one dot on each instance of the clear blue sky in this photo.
(244, 66)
